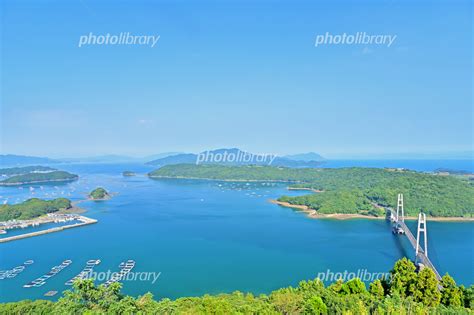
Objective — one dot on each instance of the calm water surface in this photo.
(211, 237)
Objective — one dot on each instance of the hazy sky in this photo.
(236, 74)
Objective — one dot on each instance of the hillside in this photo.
(32, 208)
(405, 292)
(99, 194)
(349, 190)
(31, 178)
(25, 170)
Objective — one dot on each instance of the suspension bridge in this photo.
(399, 227)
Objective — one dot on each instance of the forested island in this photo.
(406, 291)
(25, 170)
(99, 194)
(352, 190)
(33, 208)
(38, 177)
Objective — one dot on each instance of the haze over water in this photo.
(211, 237)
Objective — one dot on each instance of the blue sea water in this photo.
(211, 237)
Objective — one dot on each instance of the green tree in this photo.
(426, 288)
(403, 278)
(451, 295)
(315, 305)
(376, 289)
(354, 286)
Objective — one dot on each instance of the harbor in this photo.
(83, 221)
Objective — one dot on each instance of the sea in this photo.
(196, 237)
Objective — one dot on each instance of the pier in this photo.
(83, 222)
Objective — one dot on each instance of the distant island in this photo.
(235, 157)
(128, 173)
(348, 190)
(12, 159)
(25, 170)
(33, 208)
(39, 177)
(99, 194)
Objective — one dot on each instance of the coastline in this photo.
(304, 188)
(224, 180)
(39, 182)
(313, 214)
(84, 221)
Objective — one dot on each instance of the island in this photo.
(39, 178)
(99, 194)
(348, 191)
(25, 170)
(128, 173)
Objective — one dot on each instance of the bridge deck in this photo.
(421, 253)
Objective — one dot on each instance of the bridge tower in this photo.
(400, 210)
(421, 228)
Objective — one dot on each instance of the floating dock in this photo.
(38, 282)
(86, 272)
(125, 268)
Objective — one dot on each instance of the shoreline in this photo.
(84, 221)
(313, 214)
(39, 182)
(224, 180)
(304, 188)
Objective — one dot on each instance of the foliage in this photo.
(32, 208)
(24, 170)
(53, 176)
(99, 193)
(349, 189)
(450, 294)
(426, 288)
(309, 297)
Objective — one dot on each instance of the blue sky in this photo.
(236, 74)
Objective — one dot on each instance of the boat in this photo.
(28, 262)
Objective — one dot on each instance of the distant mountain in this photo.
(310, 156)
(13, 160)
(159, 156)
(231, 156)
(114, 158)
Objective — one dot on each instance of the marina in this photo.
(38, 282)
(83, 221)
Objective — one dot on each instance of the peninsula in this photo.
(351, 191)
(39, 178)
